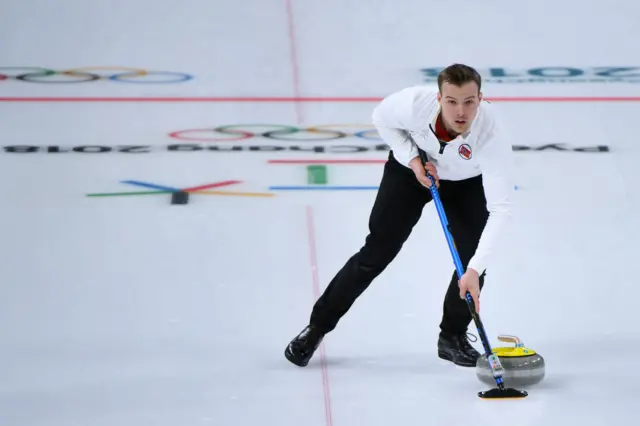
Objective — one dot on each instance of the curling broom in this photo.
(494, 362)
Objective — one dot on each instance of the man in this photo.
(470, 158)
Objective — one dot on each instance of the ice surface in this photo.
(129, 311)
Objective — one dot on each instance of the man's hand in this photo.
(419, 170)
(470, 282)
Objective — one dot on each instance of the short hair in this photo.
(458, 75)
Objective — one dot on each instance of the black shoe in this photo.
(457, 349)
(300, 350)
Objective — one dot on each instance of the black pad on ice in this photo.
(180, 197)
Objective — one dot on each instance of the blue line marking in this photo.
(150, 185)
(322, 188)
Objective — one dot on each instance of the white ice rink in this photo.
(126, 310)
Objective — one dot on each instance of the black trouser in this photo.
(397, 208)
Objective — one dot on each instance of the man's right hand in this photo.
(419, 170)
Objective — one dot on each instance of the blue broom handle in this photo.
(445, 226)
(454, 252)
(445, 223)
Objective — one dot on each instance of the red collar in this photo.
(441, 132)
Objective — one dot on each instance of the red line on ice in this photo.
(313, 258)
(293, 55)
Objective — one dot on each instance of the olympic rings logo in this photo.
(239, 132)
(87, 74)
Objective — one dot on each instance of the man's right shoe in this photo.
(300, 350)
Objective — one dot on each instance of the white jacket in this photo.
(485, 149)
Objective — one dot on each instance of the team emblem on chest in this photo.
(465, 151)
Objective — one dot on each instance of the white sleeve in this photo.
(392, 118)
(497, 167)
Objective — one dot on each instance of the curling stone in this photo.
(522, 366)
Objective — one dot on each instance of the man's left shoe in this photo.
(457, 349)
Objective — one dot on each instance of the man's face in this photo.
(459, 105)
